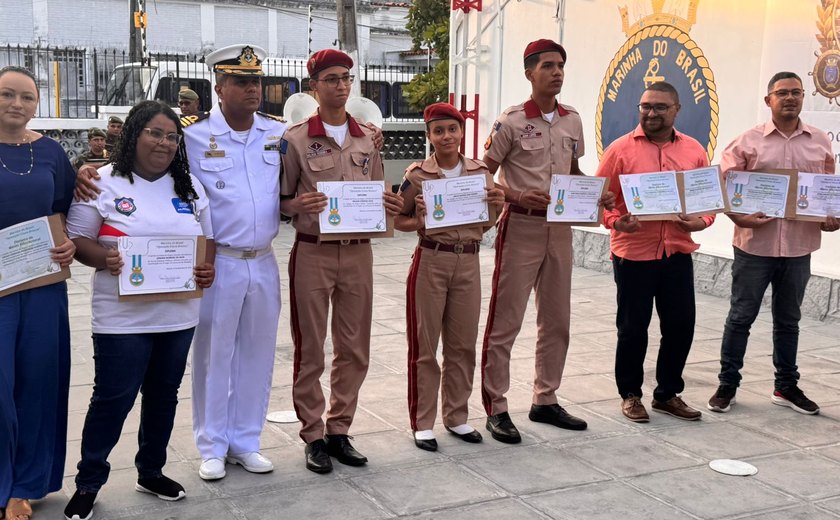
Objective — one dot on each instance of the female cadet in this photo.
(443, 291)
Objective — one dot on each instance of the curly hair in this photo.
(125, 150)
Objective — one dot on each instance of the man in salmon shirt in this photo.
(772, 251)
(652, 259)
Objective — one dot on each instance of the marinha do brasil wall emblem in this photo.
(826, 72)
(658, 48)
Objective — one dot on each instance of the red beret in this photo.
(437, 111)
(328, 58)
(539, 46)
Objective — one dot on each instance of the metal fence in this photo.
(74, 82)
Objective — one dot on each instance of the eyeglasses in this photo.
(333, 80)
(795, 93)
(159, 135)
(659, 108)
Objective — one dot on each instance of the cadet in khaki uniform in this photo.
(531, 142)
(443, 292)
(328, 146)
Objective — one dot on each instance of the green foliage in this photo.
(428, 23)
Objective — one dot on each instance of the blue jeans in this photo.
(125, 364)
(751, 275)
(667, 283)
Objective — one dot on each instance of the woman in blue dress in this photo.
(36, 180)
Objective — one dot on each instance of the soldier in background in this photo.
(96, 155)
(115, 125)
(188, 102)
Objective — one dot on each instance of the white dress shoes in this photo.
(252, 461)
(212, 469)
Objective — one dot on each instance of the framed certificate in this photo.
(575, 200)
(768, 192)
(652, 196)
(702, 191)
(159, 268)
(355, 210)
(457, 202)
(818, 196)
(25, 261)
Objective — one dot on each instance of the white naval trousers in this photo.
(233, 355)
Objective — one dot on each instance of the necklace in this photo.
(31, 159)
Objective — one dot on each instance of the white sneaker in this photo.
(212, 469)
(252, 461)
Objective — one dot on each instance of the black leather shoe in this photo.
(555, 414)
(502, 429)
(426, 444)
(472, 437)
(317, 458)
(339, 447)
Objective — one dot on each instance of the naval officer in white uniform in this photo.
(234, 151)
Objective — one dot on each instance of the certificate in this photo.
(651, 196)
(354, 207)
(458, 201)
(25, 260)
(575, 199)
(161, 266)
(750, 192)
(818, 196)
(703, 192)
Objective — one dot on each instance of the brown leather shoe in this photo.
(676, 406)
(634, 410)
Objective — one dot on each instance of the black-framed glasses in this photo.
(795, 93)
(658, 108)
(159, 136)
(332, 81)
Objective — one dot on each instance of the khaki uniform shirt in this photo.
(530, 149)
(310, 156)
(413, 185)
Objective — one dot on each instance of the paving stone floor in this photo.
(613, 470)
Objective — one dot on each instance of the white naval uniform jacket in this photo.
(242, 179)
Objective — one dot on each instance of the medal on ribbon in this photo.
(802, 203)
(136, 278)
(637, 198)
(559, 208)
(438, 213)
(334, 218)
(737, 199)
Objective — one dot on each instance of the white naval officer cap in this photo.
(238, 60)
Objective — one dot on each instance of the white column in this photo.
(208, 26)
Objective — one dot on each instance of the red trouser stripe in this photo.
(296, 335)
(491, 313)
(411, 333)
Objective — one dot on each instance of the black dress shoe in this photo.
(556, 415)
(472, 437)
(317, 458)
(339, 447)
(502, 429)
(426, 444)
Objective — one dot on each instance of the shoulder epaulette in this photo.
(272, 116)
(415, 164)
(195, 118)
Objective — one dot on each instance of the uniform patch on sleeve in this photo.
(405, 185)
(284, 145)
(488, 142)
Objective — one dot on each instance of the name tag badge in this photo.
(214, 153)
(272, 147)
(181, 206)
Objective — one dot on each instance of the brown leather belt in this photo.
(469, 249)
(525, 211)
(314, 239)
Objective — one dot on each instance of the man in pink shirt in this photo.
(772, 251)
(652, 259)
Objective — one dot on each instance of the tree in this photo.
(428, 24)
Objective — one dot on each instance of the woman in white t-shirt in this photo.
(139, 345)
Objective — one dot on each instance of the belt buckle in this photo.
(251, 253)
(345, 242)
(458, 248)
